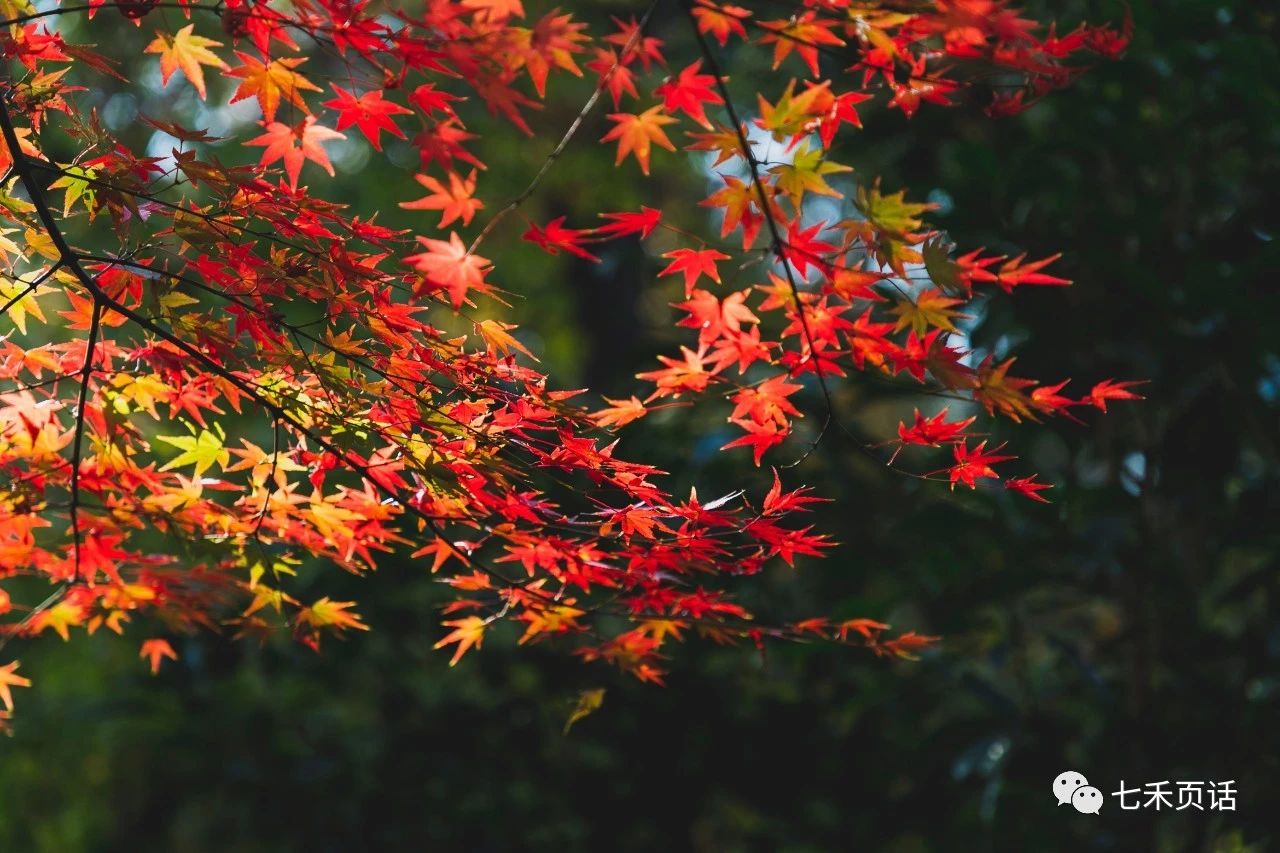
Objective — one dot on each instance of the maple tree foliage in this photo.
(130, 493)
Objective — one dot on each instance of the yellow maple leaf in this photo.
(659, 629)
(9, 678)
(805, 173)
(22, 301)
(59, 617)
(549, 620)
(466, 633)
(327, 613)
(589, 701)
(171, 500)
(186, 51)
(891, 213)
(931, 308)
(144, 391)
(332, 521)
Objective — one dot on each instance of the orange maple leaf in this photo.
(498, 337)
(59, 617)
(678, 376)
(741, 205)
(495, 10)
(767, 401)
(805, 34)
(868, 628)
(620, 412)
(721, 21)
(904, 646)
(454, 202)
(638, 133)
(156, 650)
(271, 81)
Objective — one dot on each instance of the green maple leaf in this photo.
(76, 180)
(805, 173)
(203, 450)
(943, 271)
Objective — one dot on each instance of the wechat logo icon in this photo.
(1072, 788)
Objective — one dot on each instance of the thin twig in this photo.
(77, 442)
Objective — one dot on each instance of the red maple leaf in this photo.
(1027, 487)
(296, 144)
(612, 73)
(641, 223)
(370, 112)
(760, 437)
(447, 265)
(693, 263)
(932, 431)
(974, 464)
(554, 237)
(690, 92)
(1109, 389)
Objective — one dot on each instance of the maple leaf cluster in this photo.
(238, 295)
(879, 291)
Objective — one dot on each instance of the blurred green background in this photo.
(1128, 631)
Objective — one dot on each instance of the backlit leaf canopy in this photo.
(214, 373)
